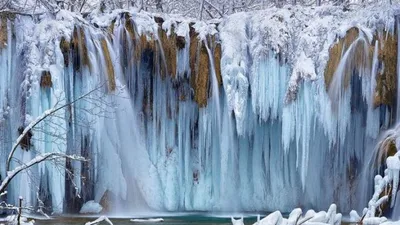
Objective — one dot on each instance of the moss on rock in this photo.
(387, 148)
(386, 80)
(335, 54)
(169, 48)
(109, 66)
(79, 49)
(45, 80)
(199, 66)
(217, 62)
(180, 42)
(3, 31)
(65, 47)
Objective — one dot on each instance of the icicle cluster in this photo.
(197, 116)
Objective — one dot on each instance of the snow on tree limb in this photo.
(100, 219)
(34, 161)
(38, 120)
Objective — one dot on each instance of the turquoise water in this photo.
(173, 220)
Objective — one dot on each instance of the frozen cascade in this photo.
(173, 127)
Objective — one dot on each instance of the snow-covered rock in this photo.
(295, 217)
(13, 220)
(237, 222)
(374, 220)
(91, 207)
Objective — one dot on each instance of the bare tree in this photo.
(98, 106)
(39, 119)
(191, 8)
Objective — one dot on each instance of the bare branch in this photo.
(38, 120)
(201, 10)
(100, 219)
(34, 161)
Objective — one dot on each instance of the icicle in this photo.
(154, 147)
(393, 164)
(372, 114)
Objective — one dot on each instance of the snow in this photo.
(203, 29)
(391, 223)
(12, 220)
(104, 19)
(182, 29)
(303, 69)
(100, 219)
(301, 35)
(311, 218)
(393, 162)
(374, 220)
(295, 217)
(354, 217)
(91, 207)
(148, 220)
(234, 67)
(238, 221)
(168, 26)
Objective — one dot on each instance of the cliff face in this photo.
(260, 111)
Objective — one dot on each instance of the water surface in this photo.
(195, 219)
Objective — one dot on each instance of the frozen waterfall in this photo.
(266, 111)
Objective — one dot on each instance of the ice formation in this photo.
(238, 221)
(236, 115)
(149, 220)
(91, 207)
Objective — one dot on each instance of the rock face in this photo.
(385, 92)
(264, 108)
(45, 80)
(109, 65)
(386, 89)
(336, 52)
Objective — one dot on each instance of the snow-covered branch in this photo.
(38, 120)
(100, 219)
(34, 161)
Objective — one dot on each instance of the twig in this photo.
(38, 120)
(100, 219)
(34, 161)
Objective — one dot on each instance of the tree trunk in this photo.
(19, 210)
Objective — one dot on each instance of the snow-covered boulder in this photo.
(91, 207)
(271, 219)
(374, 220)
